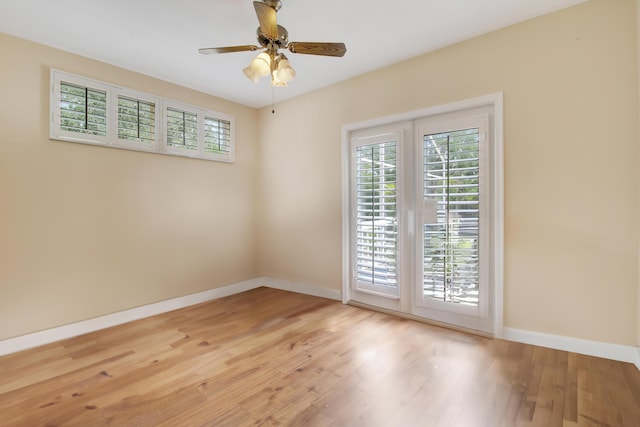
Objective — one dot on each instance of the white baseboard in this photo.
(36, 339)
(622, 353)
(300, 288)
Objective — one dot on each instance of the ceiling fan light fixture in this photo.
(276, 81)
(251, 75)
(261, 64)
(285, 71)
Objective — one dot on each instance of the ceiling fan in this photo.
(273, 37)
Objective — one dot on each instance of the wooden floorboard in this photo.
(273, 358)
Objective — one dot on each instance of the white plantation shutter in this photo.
(182, 129)
(451, 269)
(137, 120)
(82, 109)
(375, 220)
(217, 136)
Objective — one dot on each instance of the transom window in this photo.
(93, 112)
(83, 109)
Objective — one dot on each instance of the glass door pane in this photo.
(376, 224)
(451, 191)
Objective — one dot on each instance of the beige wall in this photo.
(86, 231)
(571, 165)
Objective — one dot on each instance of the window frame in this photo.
(112, 138)
(55, 128)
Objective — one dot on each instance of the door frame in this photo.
(495, 102)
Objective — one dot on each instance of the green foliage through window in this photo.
(217, 136)
(182, 129)
(83, 109)
(136, 120)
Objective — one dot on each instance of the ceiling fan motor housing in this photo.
(279, 43)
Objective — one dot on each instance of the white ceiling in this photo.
(160, 38)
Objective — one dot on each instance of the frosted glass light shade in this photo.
(285, 71)
(261, 64)
(276, 81)
(251, 75)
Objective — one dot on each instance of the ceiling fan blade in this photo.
(267, 18)
(227, 49)
(313, 48)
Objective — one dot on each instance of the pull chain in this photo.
(273, 99)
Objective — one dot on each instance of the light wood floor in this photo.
(269, 357)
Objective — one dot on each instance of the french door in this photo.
(421, 239)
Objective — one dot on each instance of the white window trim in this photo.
(159, 146)
(494, 100)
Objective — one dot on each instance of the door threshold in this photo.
(420, 319)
